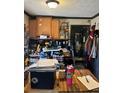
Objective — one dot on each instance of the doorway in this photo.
(79, 35)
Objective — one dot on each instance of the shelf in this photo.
(50, 39)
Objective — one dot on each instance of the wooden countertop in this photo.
(76, 85)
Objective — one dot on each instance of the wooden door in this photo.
(44, 26)
(55, 28)
(32, 28)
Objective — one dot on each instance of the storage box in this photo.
(43, 79)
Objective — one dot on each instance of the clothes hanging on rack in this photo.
(93, 50)
(88, 45)
(91, 45)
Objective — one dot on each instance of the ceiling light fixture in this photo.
(52, 3)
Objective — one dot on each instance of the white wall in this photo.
(78, 21)
(95, 20)
(26, 19)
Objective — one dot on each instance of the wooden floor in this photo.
(43, 91)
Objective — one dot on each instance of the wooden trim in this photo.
(27, 13)
(95, 15)
(61, 17)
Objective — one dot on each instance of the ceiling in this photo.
(66, 8)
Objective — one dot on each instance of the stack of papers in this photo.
(43, 63)
(47, 63)
(89, 82)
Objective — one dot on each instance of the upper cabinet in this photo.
(55, 28)
(44, 26)
(33, 28)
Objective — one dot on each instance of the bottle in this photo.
(69, 75)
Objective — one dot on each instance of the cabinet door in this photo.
(44, 26)
(55, 28)
(33, 28)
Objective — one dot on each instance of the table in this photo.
(77, 86)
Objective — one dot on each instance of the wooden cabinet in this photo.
(32, 28)
(55, 28)
(44, 26)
